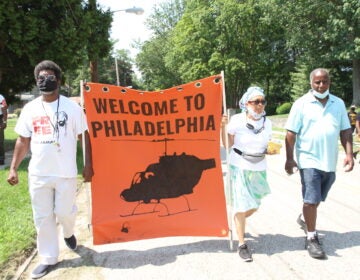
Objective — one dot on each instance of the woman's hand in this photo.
(273, 148)
(224, 121)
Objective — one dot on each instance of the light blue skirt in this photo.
(247, 189)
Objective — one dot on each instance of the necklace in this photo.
(56, 125)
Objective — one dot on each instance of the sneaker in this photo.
(244, 253)
(302, 224)
(40, 271)
(314, 248)
(71, 242)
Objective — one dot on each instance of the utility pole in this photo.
(93, 53)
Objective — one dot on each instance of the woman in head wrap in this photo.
(248, 135)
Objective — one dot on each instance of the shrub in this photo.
(283, 108)
(270, 109)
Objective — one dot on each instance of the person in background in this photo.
(313, 127)
(352, 117)
(50, 127)
(3, 121)
(248, 135)
(357, 133)
(357, 125)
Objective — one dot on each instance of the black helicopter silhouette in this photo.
(173, 176)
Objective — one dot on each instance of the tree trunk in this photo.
(94, 75)
(356, 82)
(94, 71)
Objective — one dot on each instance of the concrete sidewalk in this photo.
(273, 235)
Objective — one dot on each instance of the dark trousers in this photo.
(2, 144)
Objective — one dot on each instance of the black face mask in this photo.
(47, 85)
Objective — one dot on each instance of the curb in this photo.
(21, 269)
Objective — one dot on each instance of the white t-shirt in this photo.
(54, 128)
(247, 141)
(2, 104)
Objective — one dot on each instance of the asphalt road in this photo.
(277, 242)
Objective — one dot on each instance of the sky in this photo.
(127, 27)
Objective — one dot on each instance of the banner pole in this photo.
(227, 181)
(86, 185)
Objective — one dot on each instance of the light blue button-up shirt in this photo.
(317, 131)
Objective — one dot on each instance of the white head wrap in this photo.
(250, 93)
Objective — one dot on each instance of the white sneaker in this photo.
(40, 271)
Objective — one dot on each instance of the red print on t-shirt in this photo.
(42, 125)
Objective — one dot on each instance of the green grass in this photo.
(17, 231)
(10, 135)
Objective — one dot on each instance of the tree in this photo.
(125, 72)
(151, 58)
(98, 43)
(106, 70)
(31, 31)
(327, 34)
(154, 72)
(269, 43)
(243, 38)
(191, 42)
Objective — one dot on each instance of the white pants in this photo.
(52, 198)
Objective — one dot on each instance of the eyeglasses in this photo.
(256, 131)
(47, 77)
(258, 101)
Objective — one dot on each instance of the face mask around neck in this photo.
(255, 115)
(320, 95)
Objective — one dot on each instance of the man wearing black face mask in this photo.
(50, 126)
(47, 84)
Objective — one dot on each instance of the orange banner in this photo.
(156, 158)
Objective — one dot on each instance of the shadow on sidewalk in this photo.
(126, 259)
(270, 244)
(267, 244)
